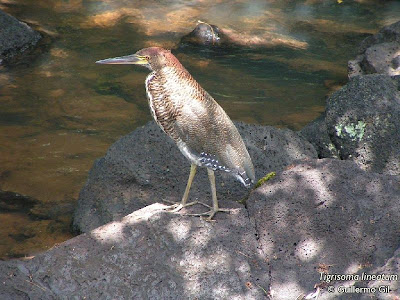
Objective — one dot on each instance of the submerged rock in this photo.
(362, 123)
(205, 35)
(211, 36)
(145, 167)
(16, 37)
(14, 202)
(379, 53)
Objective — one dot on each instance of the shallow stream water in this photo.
(59, 111)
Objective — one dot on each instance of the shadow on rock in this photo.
(327, 216)
(150, 254)
(318, 216)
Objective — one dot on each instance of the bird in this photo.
(199, 126)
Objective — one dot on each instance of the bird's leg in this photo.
(193, 168)
(211, 176)
(177, 207)
(215, 207)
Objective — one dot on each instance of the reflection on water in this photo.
(60, 111)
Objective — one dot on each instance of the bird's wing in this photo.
(211, 136)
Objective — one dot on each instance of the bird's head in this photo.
(153, 58)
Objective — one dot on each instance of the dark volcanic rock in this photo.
(361, 123)
(205, 35)
(15, 37)
(390, 33)
(392, 267)
(317, 134)
(379, 53)
(145, 167)
(326, 215)
(319, 215)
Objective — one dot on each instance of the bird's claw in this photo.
(210, 214)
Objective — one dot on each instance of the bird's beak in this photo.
(125, 60)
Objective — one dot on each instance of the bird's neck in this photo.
(172, 79)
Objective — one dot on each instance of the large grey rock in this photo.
(379, 53)
(318, 215)
(145, 167)
(15, 37)
(150, 254)
(361, 123)
(326, 215)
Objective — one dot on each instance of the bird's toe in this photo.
(175, 207)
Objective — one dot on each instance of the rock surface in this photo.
(379, 53)
(317, 134)
(205, 35)
(145, 167)
(150, 254)
(392, 266)
(15, 37)
(326, 215)
(362, 123)
(318, 215)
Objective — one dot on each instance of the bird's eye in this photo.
(147, 57)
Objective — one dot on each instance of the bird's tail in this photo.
(246, 177)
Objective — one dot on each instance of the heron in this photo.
(201, 129)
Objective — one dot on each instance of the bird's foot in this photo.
(210, 213)
(175, 207)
